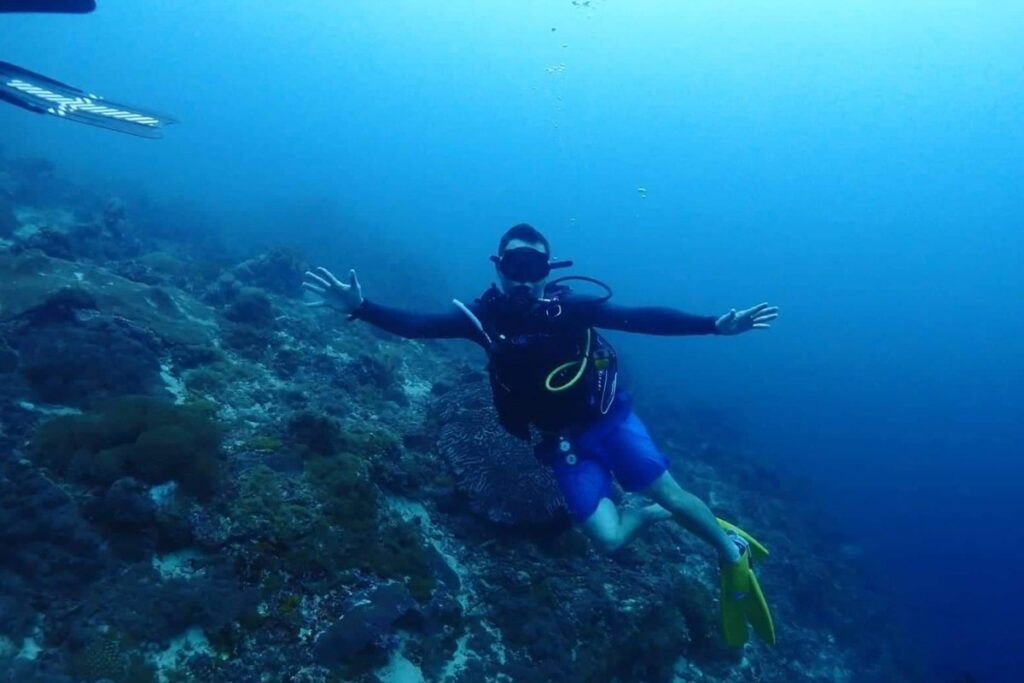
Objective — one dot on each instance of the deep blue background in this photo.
(859, 164)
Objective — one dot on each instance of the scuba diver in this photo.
(44, 95)
(549, 368)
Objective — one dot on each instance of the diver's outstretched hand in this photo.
(332, 292)
(758, 317)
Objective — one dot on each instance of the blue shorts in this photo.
(584, 462)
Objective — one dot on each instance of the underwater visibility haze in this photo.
(180, 431)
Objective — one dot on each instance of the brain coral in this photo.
(498, 474)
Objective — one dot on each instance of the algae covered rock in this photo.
(315, 433)
(364, 625)
(499, 475)
(33, 280)
(49, 550)
(252, 306)
(44, 536)
(206, 595)
(81, 360)
(83, 334)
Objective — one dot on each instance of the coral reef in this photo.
(239, 488)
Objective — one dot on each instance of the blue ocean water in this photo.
(860, 165)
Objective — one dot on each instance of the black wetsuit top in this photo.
(527, 343)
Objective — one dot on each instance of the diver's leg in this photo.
(692, 514)
(641, 467)
(611, 528)
(586, 485)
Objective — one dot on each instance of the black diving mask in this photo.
(524, 264)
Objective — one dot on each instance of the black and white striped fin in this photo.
(44, 95)
(48, 6)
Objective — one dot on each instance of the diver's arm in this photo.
(451, 325)
(649, 320)
(669, 321)
(330, 292)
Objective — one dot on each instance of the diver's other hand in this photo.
(332, 292)
(757, 317)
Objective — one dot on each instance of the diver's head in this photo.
(523, 262)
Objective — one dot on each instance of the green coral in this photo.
(213, 378)
(373, 541)
(314, 433)
(264, 444)
(330, 523)
(319, 434)
(268, 514)
(135, 436)
(641, 641)
(251, 341)
(282, 519)
(373, 378)
(367, 442)
(189, 356)
(346, 494)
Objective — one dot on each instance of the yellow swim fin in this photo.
(743, 600)
(757, 551)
